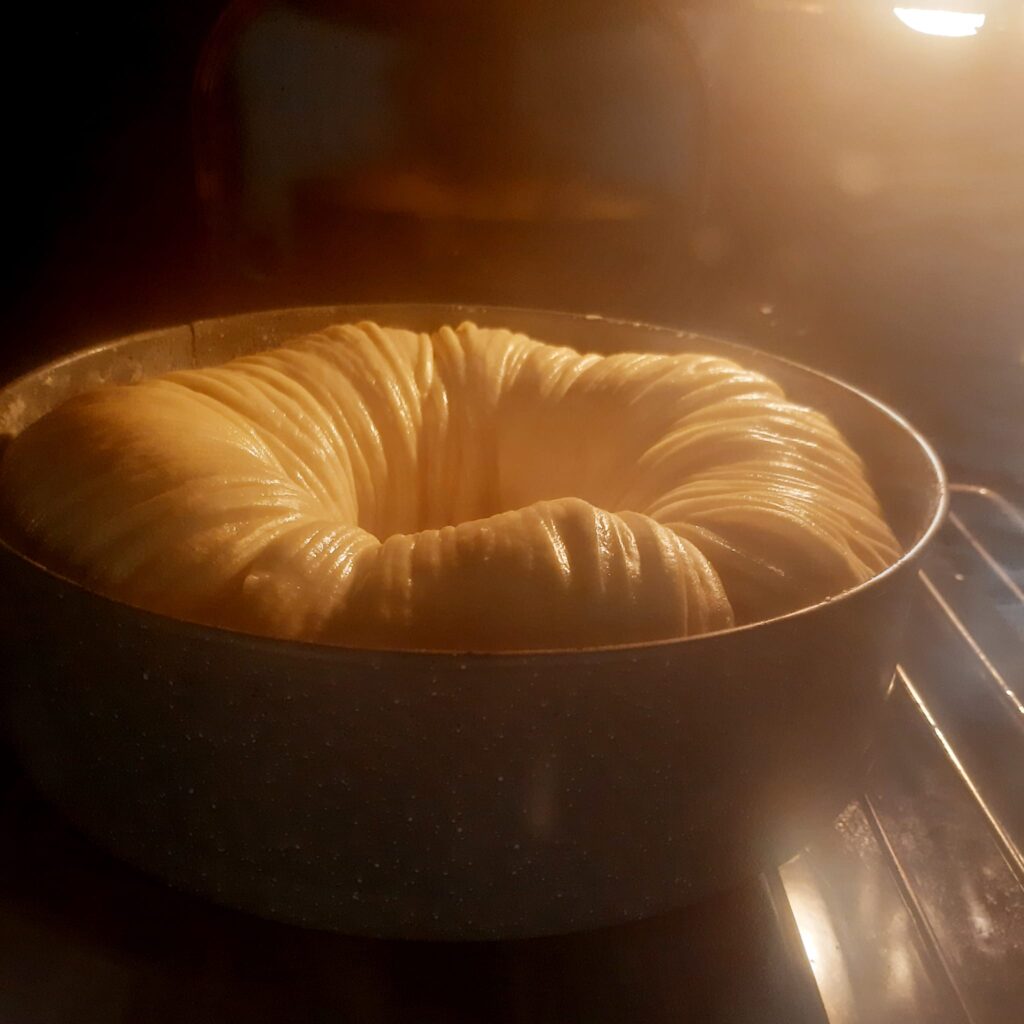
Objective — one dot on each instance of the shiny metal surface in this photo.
(912, 910)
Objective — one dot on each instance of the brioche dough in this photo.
(472, 489)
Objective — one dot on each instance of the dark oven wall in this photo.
(817, 179)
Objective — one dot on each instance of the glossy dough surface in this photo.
(472, 489)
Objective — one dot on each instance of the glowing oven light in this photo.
(940, 23)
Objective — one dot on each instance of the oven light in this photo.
(940, 23)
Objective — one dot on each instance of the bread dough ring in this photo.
(472, 489)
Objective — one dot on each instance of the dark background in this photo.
(862, 205)
(102, 219)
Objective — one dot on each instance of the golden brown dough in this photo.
(467, 490)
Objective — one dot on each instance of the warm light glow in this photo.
(940, 23)
(823, 946)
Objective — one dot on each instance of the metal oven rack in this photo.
(912, 910)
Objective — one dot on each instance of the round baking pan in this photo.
(448, 795)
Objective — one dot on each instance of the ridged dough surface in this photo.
(470, 489)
